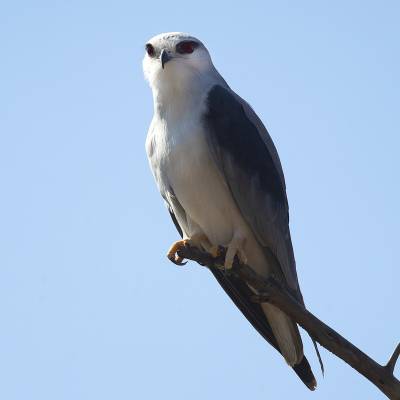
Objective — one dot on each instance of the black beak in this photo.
(164, 57)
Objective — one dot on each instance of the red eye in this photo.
(186, 47)
(150, 50)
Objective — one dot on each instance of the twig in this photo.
(392, 362)
(270, 290)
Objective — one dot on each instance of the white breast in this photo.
(183, 166)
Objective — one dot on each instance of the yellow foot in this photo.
(235, 248)
(201, 241)
(197, 240)
(215, 251)
(173, 250)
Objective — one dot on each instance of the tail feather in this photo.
(321, 364)
(304, 372)
(283, 328)
(241, 295)
(286, 333)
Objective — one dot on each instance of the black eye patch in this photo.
(150, 50)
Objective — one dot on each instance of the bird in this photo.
(221, 179)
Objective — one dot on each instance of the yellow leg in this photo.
(235, 247)
(197, 240)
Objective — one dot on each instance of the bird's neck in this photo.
(174, 98)
(172, 101)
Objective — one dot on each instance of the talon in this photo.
(235, 248)
(242, 256)
(215, 251)
(229, 261)
(172, 252)
(177, 260)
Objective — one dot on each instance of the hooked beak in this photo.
(164, 58)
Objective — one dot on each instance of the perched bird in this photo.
(219, 173)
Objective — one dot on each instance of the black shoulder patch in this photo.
(230, 129)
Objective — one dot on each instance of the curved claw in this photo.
(172, 252)
(176, 259)
(215, 251)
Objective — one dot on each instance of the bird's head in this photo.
(175, 58)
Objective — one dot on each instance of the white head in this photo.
(176, 60)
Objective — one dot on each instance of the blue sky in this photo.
(90, 307)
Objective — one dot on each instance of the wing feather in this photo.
(241, 295)
(247, 157)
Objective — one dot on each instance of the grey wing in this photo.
(241, 295)
(246, 155)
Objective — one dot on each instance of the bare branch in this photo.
(392, 362)
(270, 290)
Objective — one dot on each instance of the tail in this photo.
(241, 295)
(286, 333)
(284, 329)
(304, 372)
(290, 344)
